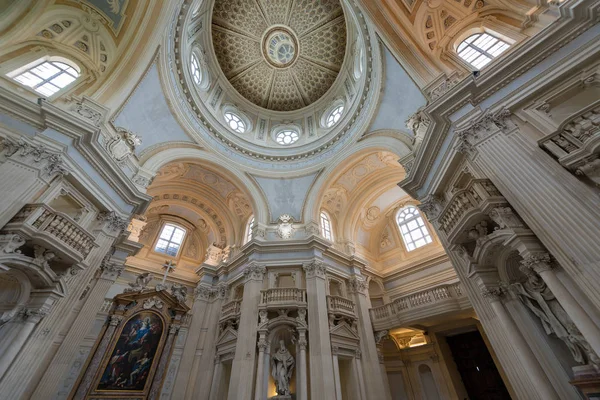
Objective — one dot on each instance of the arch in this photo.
(395, 142)
(168, 155)
(428, 384)
(15, 290)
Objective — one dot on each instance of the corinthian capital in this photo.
(357, 285)
(538, 262)
(493, 293)
(255, 272)
(314, 269)
(113, 221)
(111, 270)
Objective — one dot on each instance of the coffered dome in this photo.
(281, 55)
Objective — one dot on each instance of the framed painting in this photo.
(133, 356)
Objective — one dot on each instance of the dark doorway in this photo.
(476, 367)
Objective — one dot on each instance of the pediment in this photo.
(228, 335)
(164, 296)
(343, 330)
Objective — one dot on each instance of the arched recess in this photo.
(152, 163)
(15, 289)
(397, 143)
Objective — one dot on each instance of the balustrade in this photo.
(231, 309)
(474, 196)
(340, 305)
(53, 230)
(447, 297)
(282, 296)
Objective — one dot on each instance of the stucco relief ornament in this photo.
(285, 230)
(357, 285)
(140, 284)
(10, 243)
(123, 145)
(179, 292)
(432, 206)
(153, 302)
(38, 154)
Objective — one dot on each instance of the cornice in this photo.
(85, 138)
(573, 22)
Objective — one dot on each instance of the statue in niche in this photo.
(282, 367)
(541, 301)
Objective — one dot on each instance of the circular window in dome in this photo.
(334, 116)
(195, 69)
(235, 122)
(287, 137)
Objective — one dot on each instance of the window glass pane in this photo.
(28, 79)
(167, 232)
(45, 70)
(62, 80)
(479, 50)
(47, 89)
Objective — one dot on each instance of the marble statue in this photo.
(282, 367)
(140, 284)
(541, 301)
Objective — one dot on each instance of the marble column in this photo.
(241, 385)
(541, 264)
(260, 368)
(374, 382)
(534, 370)
(562, 211)
(302, 384)
(163, 363)
(322, 383)
(336, 372)
(92, 367)
(359, 376)
(16, 332)
(109, 272)
(215, 386)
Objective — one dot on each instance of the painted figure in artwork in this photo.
(132, 357)
(282, 367)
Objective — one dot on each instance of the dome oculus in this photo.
(279, 47)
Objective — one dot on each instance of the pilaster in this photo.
(322, 380)
(374, 382)
(241, 385)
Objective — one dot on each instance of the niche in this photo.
(375, 294)
(66, 204)
(428, 385)
(335, 288)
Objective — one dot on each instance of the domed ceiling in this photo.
(281, 55)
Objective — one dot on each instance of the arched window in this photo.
(235, 122)
(47, 77)
(334, 116)
(413, 229)
(326, 226)
(249, 229)
(170, 240)
(481, 48)
(195, 69)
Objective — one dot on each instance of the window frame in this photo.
(499, 39)
(37, 62)
(249, 228)
(324, 217)
(169, 241)
(423, 228)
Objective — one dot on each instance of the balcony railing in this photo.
(419, 305)
(278, 297)
(340, 305)
(53, 230)
(476, 195)
(231, 309)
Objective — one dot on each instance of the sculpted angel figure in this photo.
(282, 367)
